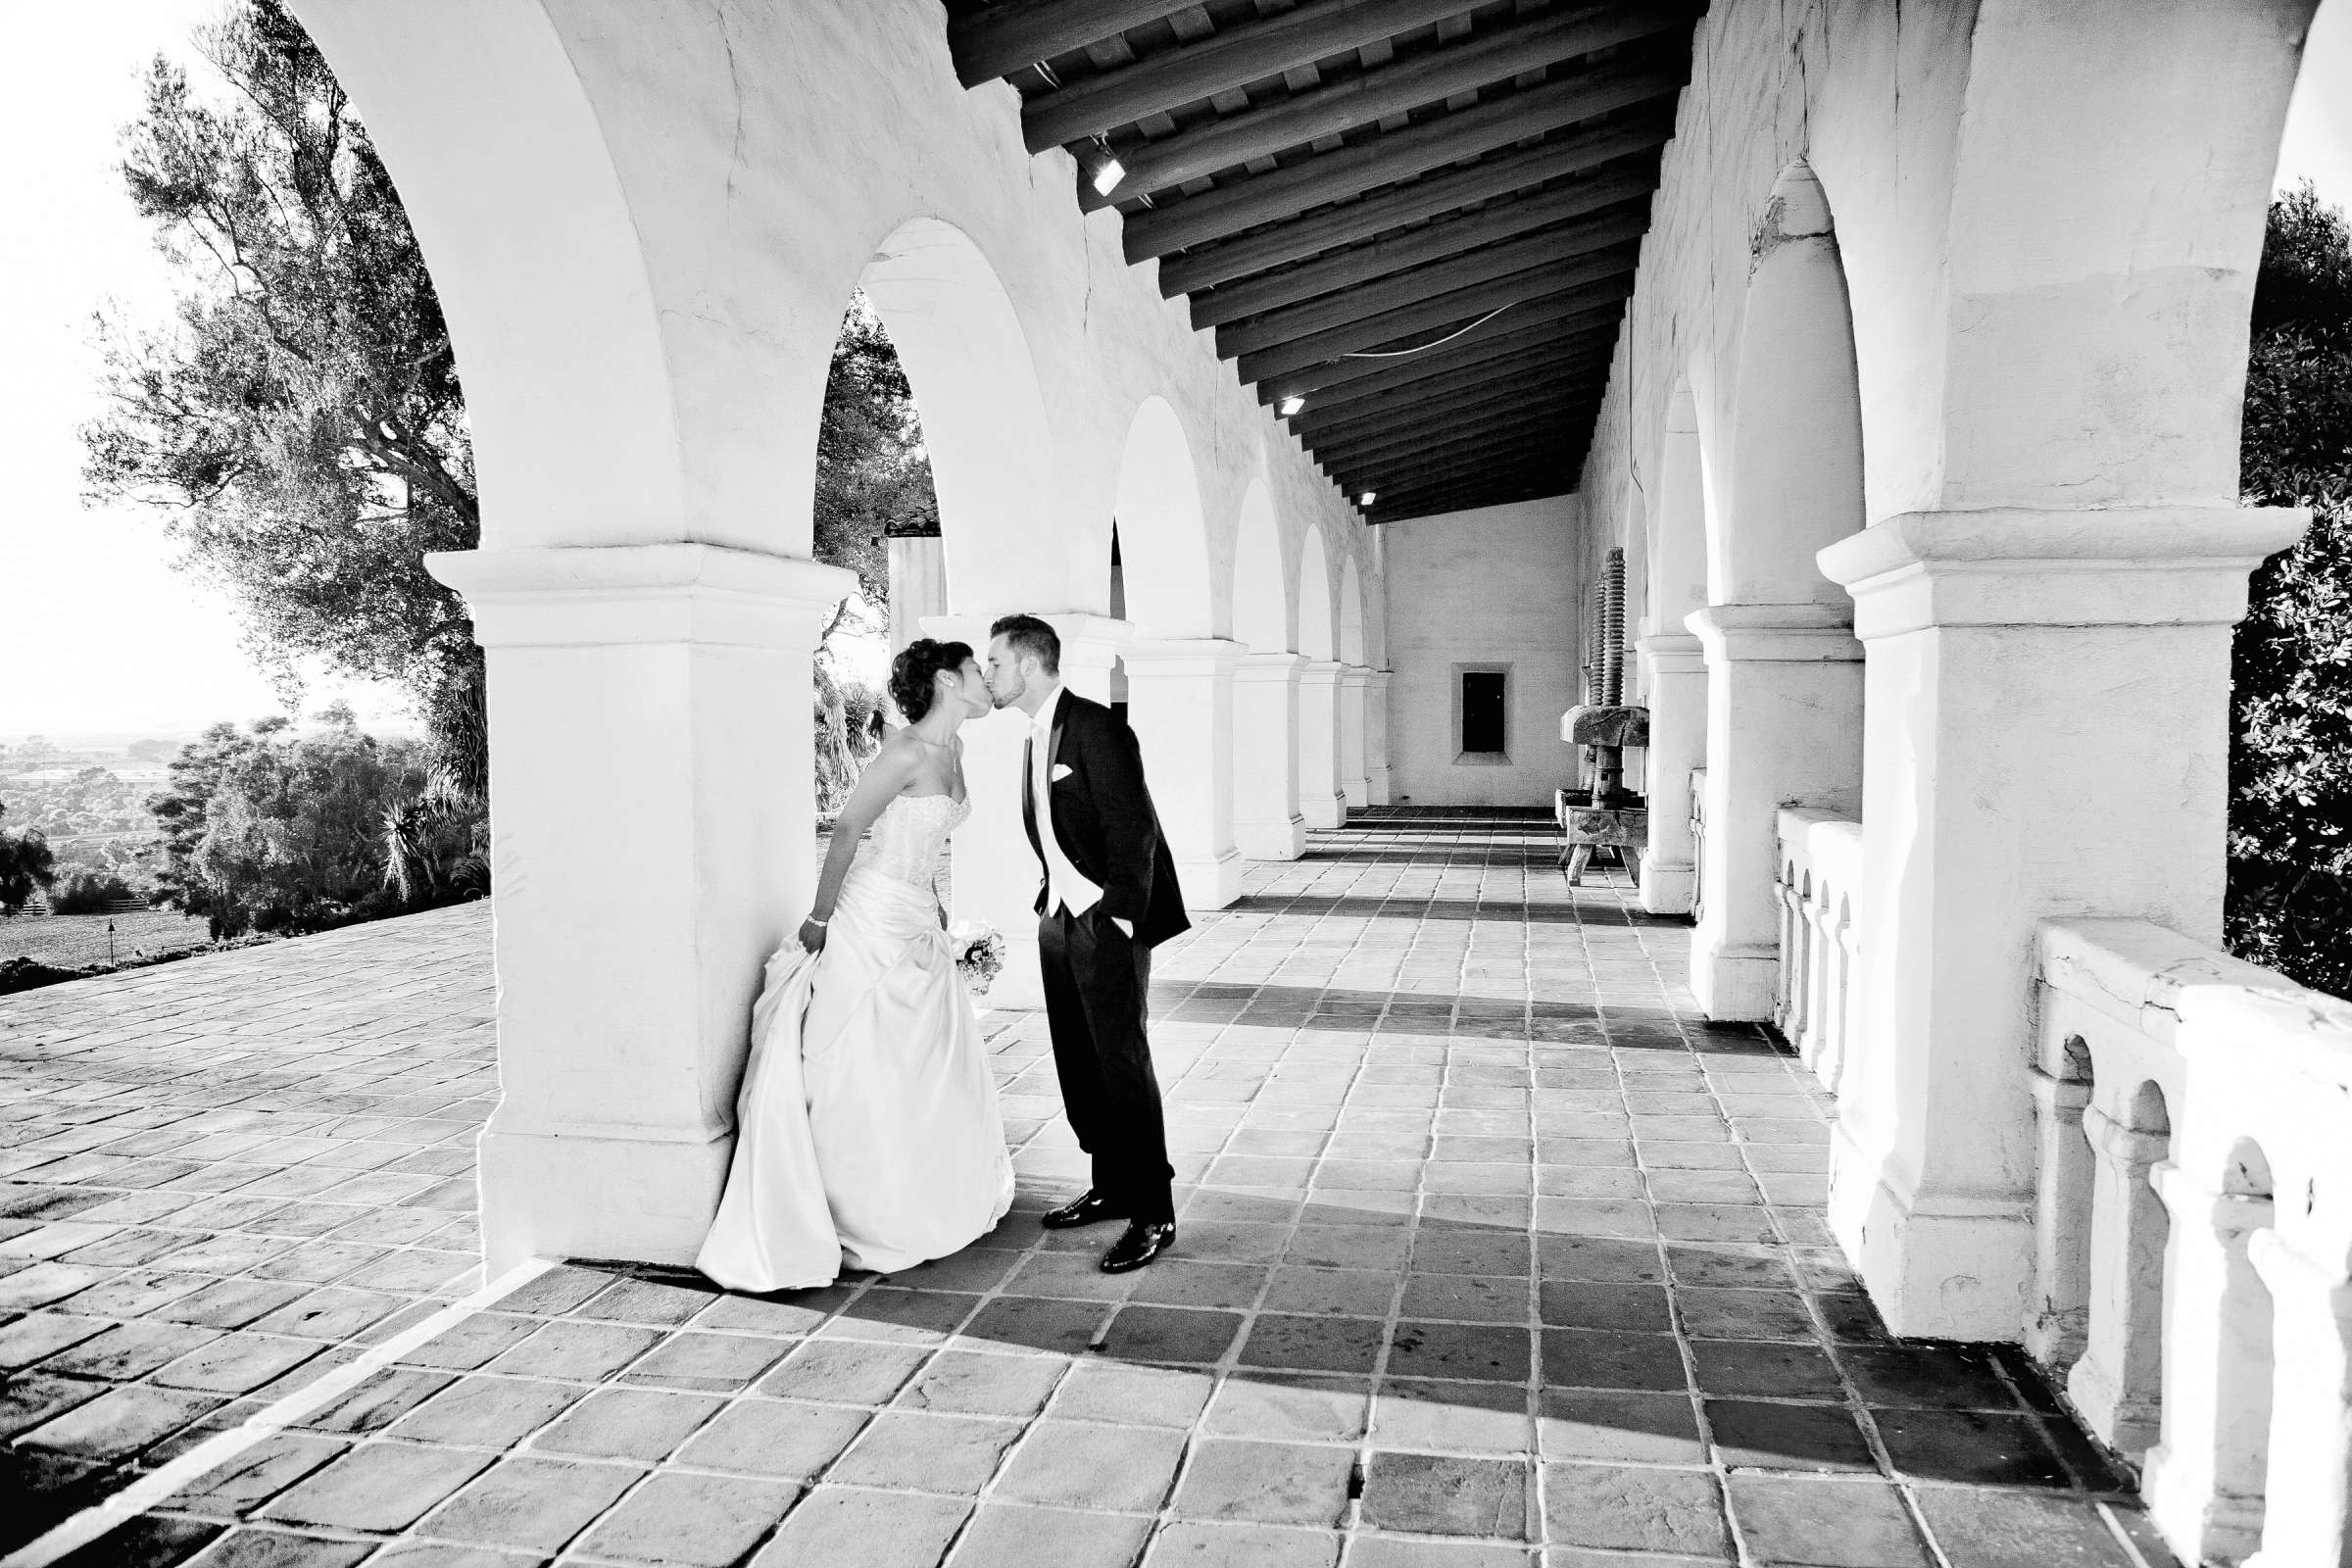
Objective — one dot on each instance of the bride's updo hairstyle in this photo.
(914, 674)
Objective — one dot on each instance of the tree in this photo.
(301, 419)
(25, 864)
(2289, 903)
(873, 479)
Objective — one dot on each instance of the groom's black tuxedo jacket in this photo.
(1103, 819)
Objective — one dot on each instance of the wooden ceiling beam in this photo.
(1628, 180)
(1396, 428)
(1513, 327)
(1281, 194)
(1221, 62)
(1483, 477)
(1537, 435)
(1000, 39)
(1496, 55)
(1441, 506)
(1592, 285)
(1534, 366)
(1406, 381)
(1582, 232)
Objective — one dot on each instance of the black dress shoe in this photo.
(1087, 1211)
(1143, 1241)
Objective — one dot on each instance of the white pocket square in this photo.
(1061, 771)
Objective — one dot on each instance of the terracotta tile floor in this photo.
(1490, 1254)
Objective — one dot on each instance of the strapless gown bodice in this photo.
(910, 836)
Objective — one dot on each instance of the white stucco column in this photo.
(1319, 799)
(918, 586)
(1674, 677)
(1355, 787)
(2307, 1493)
(2047, 735)
(994, 871)
(1266, 824)
(1784, 708)
(2203, 1482)
(653, 828)
(1376, 736)
(1180, 704)
(2054, 1330)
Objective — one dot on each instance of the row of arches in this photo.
(1898, 444)
(644, 224)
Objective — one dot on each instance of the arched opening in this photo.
(984, 425)
(2064, 1197)
(1321, 799)
(2119, 1383)
(1174, 673)
(1783, 671)
(982, 422)
(1164, 533)
(1266, 824)
(1673, 670)
(1354, 691)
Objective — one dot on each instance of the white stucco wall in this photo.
(1494, 587)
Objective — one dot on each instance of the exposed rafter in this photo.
(1221, 63)
(1545, 39)
(1568, 311)
(1001, 38)
(1489, 177)
(1504, 376)
(1588, 284)
(1498, 408)
(1531, 436)
(1421, 215)
(1480, 232)
(1404, 384)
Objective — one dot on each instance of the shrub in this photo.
(87, 893)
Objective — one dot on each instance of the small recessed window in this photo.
(1482, 706)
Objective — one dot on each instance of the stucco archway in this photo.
(1266, 822)
(1322, 798)
(1783, 671)
(1673, 669)
(968, 362)
(1179, 674)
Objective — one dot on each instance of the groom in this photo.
(1109, 898)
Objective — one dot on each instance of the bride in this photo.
(867, 1134)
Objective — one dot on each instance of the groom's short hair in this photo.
(1026, 634)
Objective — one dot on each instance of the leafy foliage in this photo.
(2291, 831)
(271, 830)
(25, 864)
(87, 893)
(300, 420)
(873, 479)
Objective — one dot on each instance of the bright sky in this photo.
(97, 632)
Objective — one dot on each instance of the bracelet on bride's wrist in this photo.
(813, 920)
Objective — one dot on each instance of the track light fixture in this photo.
(1104, 170)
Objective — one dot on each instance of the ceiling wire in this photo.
(1399, 354)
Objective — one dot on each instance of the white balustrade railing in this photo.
(2194, 1232)
(1819, 876)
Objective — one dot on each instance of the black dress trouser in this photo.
(1097, 979)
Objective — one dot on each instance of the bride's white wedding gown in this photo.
(868, 1131)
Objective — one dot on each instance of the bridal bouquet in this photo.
(979, 953)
